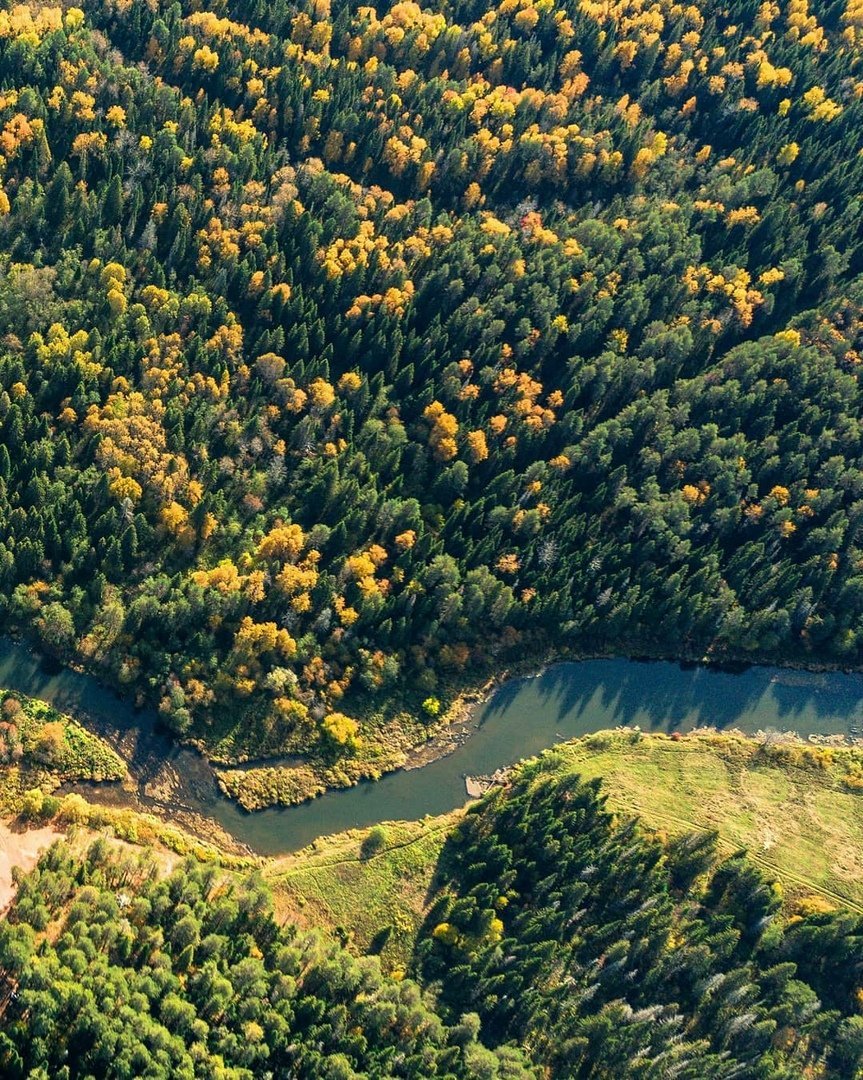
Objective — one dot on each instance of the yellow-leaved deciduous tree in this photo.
(16, 132)
(647, 155)
(788, 154)
(444, 428)
(283, 542)
(770, 76)
(742, 215)
(477, 446)
(116, 303)
(349, 383)
(819, 106)
(347, 615)
(113, 275)
(341, 730)
(113, 278)
(291, 711)
(509, 563)
(224, 577)
(321, 394)
(696, 495)
(228, 340)
(361, 567)
(124, 487)
(296, 579)
(174, 519)
(253, 640)
(205, 59)
(89, 142)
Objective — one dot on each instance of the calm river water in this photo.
(522, 718)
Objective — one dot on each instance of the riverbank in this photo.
(390, 748)
(514, 715)
(392, 740)
(797, 807)
(386, 748)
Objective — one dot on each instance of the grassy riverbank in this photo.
(370, 886)
(41, 748)
(797, 808)
(401, 735)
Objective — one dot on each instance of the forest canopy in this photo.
(560, 942)
(347, 351)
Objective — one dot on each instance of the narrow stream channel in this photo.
(522, 718)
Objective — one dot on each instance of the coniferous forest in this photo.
(560, 942)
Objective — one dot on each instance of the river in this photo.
(522, 718)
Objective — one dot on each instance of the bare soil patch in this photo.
(20, 847)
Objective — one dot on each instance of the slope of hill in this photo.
(796, 809)
(537, 934)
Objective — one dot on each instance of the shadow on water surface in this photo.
(661, 695)
(523, 717)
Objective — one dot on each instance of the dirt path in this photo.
(20, 847)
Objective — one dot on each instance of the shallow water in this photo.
(522, 718)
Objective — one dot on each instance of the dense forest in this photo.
(560, 942)
(609, 954)
(349, 354)
(348, 351)
(110, 970)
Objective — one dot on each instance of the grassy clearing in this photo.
(366, 884)
(797, 809)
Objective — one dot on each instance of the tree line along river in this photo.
(523, 717)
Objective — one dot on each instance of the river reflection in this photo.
(522, 718)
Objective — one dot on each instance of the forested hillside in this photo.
(609, 956)
(346, 350)
(109, 971)
(560, 942)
